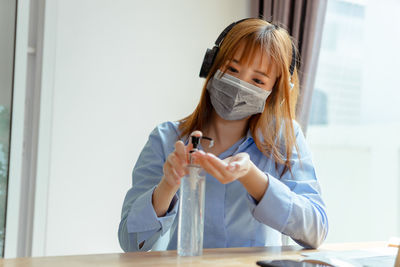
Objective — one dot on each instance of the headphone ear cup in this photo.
(208, 61)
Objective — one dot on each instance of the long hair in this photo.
(272, 130)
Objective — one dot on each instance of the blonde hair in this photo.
(280, 106)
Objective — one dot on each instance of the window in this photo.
(354, 126)
(7, 33)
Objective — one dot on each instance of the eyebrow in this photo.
(262, 73)
(256, 71)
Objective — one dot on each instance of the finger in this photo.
(211, 158)
(242, 157)
(170, 173)
(230, 161)
(210, 168)
(181, 151)
(169, 177)
(239, 161)
(233, 166)
(197, 156)
(229, 172)
(177, 164)
(216, 162)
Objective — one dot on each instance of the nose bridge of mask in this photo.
(245, 96)
(223, 87)
(244, 86)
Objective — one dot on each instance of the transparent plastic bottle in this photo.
(191, 206)
(191, 212)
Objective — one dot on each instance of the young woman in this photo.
(260, 182)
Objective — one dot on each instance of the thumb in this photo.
(238, 160)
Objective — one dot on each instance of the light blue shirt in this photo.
(291, 205)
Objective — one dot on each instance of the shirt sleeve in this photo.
(139, 221)
(293, 204)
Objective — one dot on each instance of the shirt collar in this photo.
(249, 135)
(248, 138)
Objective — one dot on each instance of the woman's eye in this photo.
(258, 81)
(232, 69)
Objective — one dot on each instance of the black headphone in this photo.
(212, 53)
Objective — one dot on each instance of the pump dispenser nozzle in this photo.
(195, 140)
(196, 136)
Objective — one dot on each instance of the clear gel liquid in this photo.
(191, 212)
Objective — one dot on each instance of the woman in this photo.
(261, 182)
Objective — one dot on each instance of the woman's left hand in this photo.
(227, 170)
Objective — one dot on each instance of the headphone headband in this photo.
(212, 53)
(222, 35)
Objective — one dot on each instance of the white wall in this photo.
(119, 68)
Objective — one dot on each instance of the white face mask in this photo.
(234, 99)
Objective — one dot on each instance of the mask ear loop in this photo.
(210, 140)
(290, 83)
(291, 70)
(291, 88)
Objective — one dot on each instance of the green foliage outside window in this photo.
(4, 149)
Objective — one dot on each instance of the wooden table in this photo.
(211, 257)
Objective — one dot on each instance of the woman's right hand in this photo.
(174, 169)
(175, 165)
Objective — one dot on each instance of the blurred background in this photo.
(83, 83)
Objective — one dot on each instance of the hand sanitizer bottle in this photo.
(191, 205)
